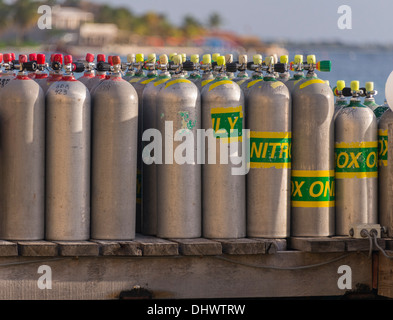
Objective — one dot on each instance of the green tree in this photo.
(214, 21)
(24, 15)
(191, 27)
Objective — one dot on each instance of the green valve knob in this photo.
(324, 66)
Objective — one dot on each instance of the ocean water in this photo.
(354, 64)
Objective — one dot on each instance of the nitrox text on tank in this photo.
(313, 195)
(269, 120)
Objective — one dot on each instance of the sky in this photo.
(301, 20)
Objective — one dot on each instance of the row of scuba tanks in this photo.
(80, 158)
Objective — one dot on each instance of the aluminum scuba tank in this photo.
(223, 186)
(149, 166)
(139, 86)
(269, 179)
(312, 200)
(22, 153)
(356, 154)
(68, 119)
(179, 177)
(114, 157)
(385, 195)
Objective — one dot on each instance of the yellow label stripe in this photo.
(276, 165)
(137, 79)
(282, 135)
(363, 144)
(158, 82)
(312, 81)
(230, 139)
(148, 80)
(168, 84)
(312, 204)
(276, 84)
(227, 110)
(251, 83)
(219, 83)
(382, 132)
(343, 175)
(312, 173)
(205, 82)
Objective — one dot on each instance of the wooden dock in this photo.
(193, 268)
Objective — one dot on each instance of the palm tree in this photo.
(214, 21)
(24, 15)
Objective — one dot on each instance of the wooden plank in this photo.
(385, 271)
(186, 277)
(317, 244)
(388, 243)
(119, 248)
(242, 246)
(37, 248)
(273, 246)
(78, 248)
(198, 247)
(363, 244)
(8, 248)
(153, 246)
